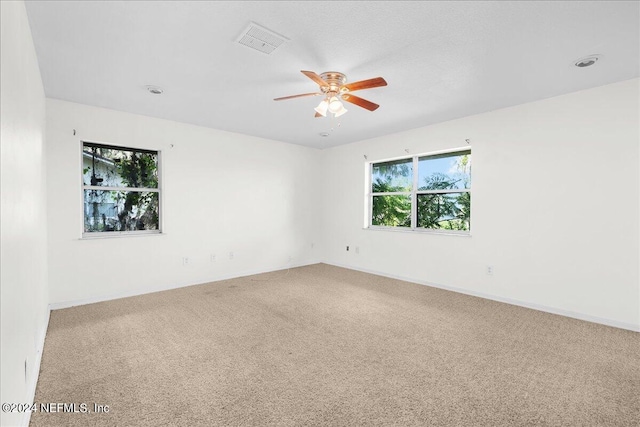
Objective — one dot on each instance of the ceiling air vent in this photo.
(260, 38)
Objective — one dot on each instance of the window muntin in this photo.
(121, 190)
(431, 192)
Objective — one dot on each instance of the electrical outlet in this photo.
(213, 258)
(230, 255)
(347, 248)
(490, 270)
(186, 261)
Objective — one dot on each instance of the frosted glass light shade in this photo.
(335, 105)
(322, 108)
(341, 111)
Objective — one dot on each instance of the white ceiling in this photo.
(442, 60)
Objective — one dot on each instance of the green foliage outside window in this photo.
(446, 206)
(132, 201)
(139, 170)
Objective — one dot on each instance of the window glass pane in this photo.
(392, 176)
(111, 167)
(120, 210)
(391, 211)
(444, 211)
(445, 172)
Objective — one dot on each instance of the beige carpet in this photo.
(322, 345)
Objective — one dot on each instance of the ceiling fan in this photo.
(334, 87)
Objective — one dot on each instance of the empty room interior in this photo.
(320, 213)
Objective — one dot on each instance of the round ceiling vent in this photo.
(587, 61)
(155, 90)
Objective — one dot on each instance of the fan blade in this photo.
(316, 78)
(360, 102)
(365, 84)
(297, 96)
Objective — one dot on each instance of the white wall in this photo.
(23, 218)
(555, 206)
(223, 192)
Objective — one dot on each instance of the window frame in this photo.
(413, 193)
(83, 187)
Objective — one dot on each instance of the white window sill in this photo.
(420, 231)
(117, 235)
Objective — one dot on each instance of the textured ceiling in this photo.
(442, 60)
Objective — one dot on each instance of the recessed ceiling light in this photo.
(587, 61)
(324, 134)
(155, 90)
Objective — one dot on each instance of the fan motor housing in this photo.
(334, 81)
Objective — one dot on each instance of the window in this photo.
(121, 190)
(422, 192)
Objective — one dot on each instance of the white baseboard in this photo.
(534, 306)
(35, 371)
(101, 298)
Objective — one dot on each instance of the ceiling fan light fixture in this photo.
(322, 108)
(341, 111)
(333, 86)
(335, 105)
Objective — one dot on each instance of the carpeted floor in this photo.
(321, 345)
